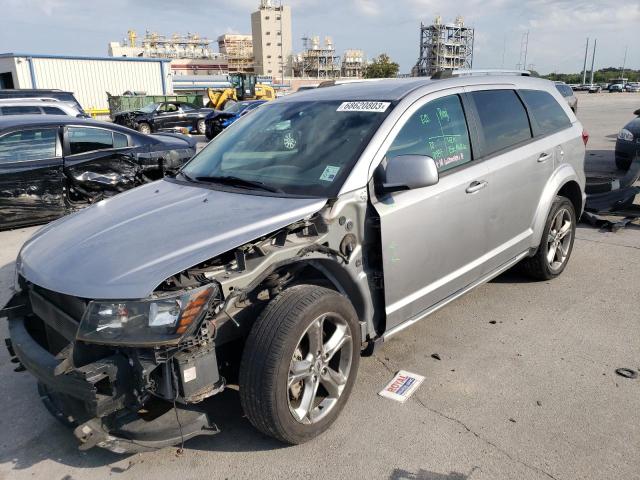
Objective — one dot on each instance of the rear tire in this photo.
(300, 363)
(556, 244)
(201, 127)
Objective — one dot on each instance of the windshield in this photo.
(299, 148)
(235, 107)
(149, 108)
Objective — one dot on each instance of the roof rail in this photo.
(472, 72)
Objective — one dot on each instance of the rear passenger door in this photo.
(433, 238)
(97, 161)
(518, 170)
(31, 187)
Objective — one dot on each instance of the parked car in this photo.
(593, 88)
(632, 87)
(165, 116)
(323, 223)
(51, 165)
(60, 95)
(567, 92)
(38, 106)
(218, 120)
(628, 143)
(616, 87)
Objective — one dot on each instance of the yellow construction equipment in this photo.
(244, 87)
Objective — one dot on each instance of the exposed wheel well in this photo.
(571, 190)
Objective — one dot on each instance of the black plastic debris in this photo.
(627, 373)
(610, 201)
(436, 356)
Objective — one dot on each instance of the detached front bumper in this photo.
(97, 398)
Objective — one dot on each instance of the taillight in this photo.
(585, 137)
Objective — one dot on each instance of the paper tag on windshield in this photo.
(329, 173)
(378, 107)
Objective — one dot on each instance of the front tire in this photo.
(556, 245)
(144, 127)
(300, 363)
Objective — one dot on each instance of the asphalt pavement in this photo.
(525, 387)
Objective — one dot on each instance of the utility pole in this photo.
(281, 46)
(624, 62)
(504, 49)
(584, 68)
(524, 48)
(593, 58)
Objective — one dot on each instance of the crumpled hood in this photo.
(125, 246)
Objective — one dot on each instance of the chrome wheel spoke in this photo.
(558, 221)
(299, 370)
(551, 255)
(308, 397)
(335, 343)
(315, 336)
(333, 382)
(566, 228)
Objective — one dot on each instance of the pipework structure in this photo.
(444, 46)
(317, 61)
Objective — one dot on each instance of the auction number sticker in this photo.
(378, 107)
(402, 386)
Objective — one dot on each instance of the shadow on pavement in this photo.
(399, 474)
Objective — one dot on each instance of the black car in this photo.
(628, 143)
(218, 120)
(165, 116)
(51, 165)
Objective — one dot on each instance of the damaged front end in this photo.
(116, 370)
(122, 371)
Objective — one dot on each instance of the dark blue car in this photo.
(218, 120)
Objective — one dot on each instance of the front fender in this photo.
(564, 174)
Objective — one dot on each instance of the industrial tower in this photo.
(444, 46)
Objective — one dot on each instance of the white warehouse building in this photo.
(89, 78)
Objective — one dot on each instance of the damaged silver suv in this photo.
(298, 240)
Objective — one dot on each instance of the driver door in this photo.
(433, 238)
(168, 115)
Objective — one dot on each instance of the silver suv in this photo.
(299, 239)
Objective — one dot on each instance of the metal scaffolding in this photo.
(444, 47)
(353, 64)
(239, 52)
(317, 61)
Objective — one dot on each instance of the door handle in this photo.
(476, 186)
(544, 157)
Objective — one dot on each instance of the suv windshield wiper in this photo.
(239, 182)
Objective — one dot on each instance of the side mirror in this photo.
(407, 172)
(637, 112)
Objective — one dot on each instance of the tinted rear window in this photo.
(21, 110)
(565, 90)
(53, 111)
(503, 119)
(548, 115)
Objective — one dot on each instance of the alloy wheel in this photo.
(559, 239)
(319, 368)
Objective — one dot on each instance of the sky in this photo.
(558, 29)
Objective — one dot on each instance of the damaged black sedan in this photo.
(53, 165)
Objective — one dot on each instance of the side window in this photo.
(120, 140)
(22, 110)
(168, 108)
(439, 130)
(25, 145)
(186, 107)
(503, 119)
(53, 111)
(548, 115)
(86, 139)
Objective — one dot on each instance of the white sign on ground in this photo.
(402, 386)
